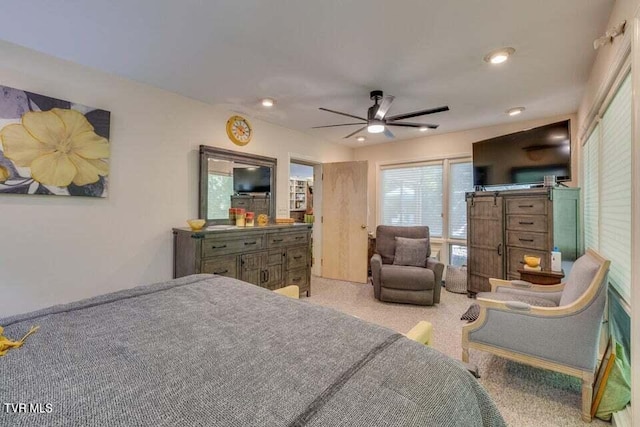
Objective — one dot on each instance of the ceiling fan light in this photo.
(423, 128)
(375, 126)
(360, 139)
(499, 56)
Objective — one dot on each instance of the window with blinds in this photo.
(412, 195)
(590, 188)
(220, 186)
(607, 188)
(615, 188)
(460, 181)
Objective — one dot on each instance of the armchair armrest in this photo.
(519, 307)
(376, 268)
(437, 268)
(523, 285)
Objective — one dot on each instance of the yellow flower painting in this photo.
(51, 146)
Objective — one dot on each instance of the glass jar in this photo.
(232, 215)
(249, 219)
(240, 217)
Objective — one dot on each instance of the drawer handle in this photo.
(219, 247)
(299, 237)
(521, 262)
(526, 223)
(297, 257)
(297, 279)
(525, 206)
(250, 243)
(526, 240)
(221, 272)
(277, 240)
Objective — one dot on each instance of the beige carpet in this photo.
(526, 396)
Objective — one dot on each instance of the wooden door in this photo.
(252, 268)
(344, 221)
(486, 245)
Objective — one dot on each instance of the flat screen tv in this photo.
(252, 180)
(524, 157)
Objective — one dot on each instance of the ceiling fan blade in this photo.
(384, 107)
(333, 126)
(353, 133)
(413, 125)
(388, 133)
(343, 114)
(417, 113)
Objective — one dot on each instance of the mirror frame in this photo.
(207, 152)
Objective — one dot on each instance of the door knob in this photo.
(363, 227)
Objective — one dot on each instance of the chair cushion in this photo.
(386, 239)
(508, 296)
(411, 252)
(582, 274)
(407, 278)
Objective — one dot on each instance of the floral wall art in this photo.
(54, 147)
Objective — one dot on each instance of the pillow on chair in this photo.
(411, 252)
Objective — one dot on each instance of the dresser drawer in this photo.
(211, 247)
(222, 265)
(527, 223)
(286, 239)
(524, 239)
(515, 259)
(297, 257)
(527, 206)
(298, 277)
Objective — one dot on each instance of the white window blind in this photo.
(412, 195)
(220, 186)
(460, 181)
(615, 189)
(590, 187)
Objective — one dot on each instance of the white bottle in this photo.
(556, 260)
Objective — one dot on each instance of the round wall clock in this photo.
(239, 130)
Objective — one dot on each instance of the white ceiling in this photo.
(331, 53)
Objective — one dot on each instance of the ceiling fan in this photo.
(377, 120)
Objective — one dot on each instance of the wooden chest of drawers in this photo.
(504, 226)
(271, 257)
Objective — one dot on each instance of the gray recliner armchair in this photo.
(410, 284)
(553, 327)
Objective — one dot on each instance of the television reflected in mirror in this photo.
(233, 179)
(524, 157)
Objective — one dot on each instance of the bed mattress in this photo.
(208, 350)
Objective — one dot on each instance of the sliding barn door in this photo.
(485, 242)
(344, 221)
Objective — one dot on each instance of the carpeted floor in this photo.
(526, 396)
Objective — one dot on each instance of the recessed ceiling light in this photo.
(360, 138)
(515, 111)
(268, 102)
(423, 128)
(499, 56)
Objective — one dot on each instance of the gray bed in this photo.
(212, 351)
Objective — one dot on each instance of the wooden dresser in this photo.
(504, 226)
(272, 257)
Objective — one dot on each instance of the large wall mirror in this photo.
(229, 179)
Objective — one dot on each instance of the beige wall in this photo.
(59, 249)
(622, 10)
(453, 144)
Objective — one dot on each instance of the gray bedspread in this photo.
(212, 351)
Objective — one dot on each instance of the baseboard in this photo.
(622, 418)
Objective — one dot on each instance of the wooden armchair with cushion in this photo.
(551, 327)
(401, 269)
